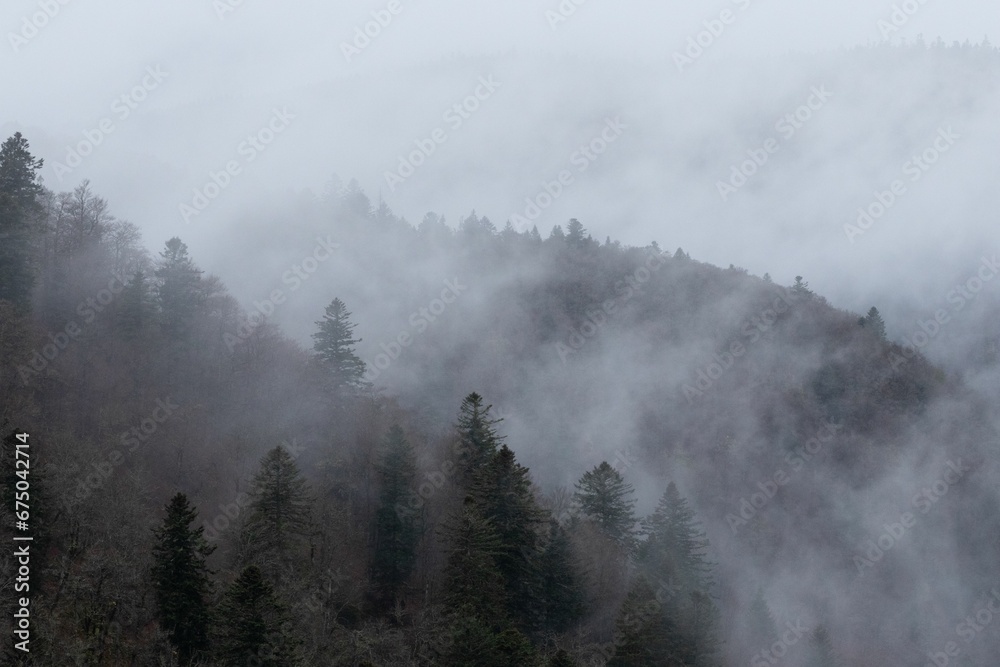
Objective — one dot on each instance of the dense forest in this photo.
(206, 490)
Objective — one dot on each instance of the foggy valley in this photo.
(508, 334)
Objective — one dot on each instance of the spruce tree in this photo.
(874, 323)
(502, 494)
(279, 521)
(396, 531)
(19, 193)
(334, 345)
(179, 290)
(254, 625)
(801, 288)
(675, 547)
(605, 498)
(478, 441)
(181, 579)
(474, 585)
(576, 235)
(675, 550)
(761, 629)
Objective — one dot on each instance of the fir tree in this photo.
(605, 498)
(576, 235)
(502, 494)
(180, 290)
(254, 625)
(761, 629)
(396, 532)
(280, 510)
(801, 288)
(181, 579)
(478, 439)
(675, 550)
(474, 584)
(874, 323)
(19, 193)
(675, 547)
(334, 347)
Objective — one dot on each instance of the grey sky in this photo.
(228, 71)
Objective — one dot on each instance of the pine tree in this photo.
(396, 532)
(501, 491)
(801, 288)
(605, 498)
(180, 288)
(19, 193)
(478, 439)
(874, 323)
(761, 629)
(576, 235)
(280, 511)
(474, 584)
(181, 579)
(254, 625)
(675, 547)
(334, 346)
(562, 598)
(675, 550)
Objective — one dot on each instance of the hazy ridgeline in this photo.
(841, 462)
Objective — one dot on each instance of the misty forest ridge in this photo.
(255, 414)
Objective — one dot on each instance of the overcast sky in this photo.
(225, 70)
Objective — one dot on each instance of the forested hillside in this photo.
(550, 450)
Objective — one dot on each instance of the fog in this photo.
(241, 123)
